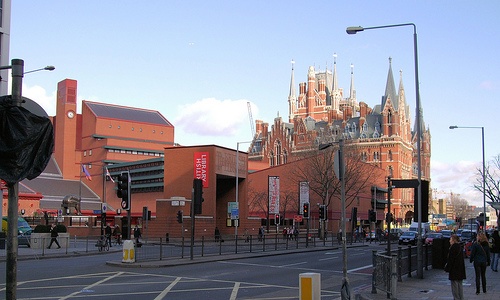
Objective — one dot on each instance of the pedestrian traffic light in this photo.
(322, 212)
(305, 210)
(179, 216)
(198, 196)
(123, 190)
(277, 219)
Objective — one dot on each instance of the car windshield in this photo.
(409, 233)
(434, 235)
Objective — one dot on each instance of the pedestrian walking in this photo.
(480, 256)
(261, 234)
(137, 235)
(53, 236)
(217, 234)
(455, 266)
(495, 250)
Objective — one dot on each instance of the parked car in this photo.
(468, 236)
(446, 233)
(409, 237)
(23, 229)
(431, 236)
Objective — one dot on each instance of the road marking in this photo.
(295, 264)
(91, 286)
(234, 293)
(360, 268)
(169, 287)
(328, 258)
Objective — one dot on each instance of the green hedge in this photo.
(46, 228)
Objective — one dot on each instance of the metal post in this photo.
(346, 292)
(13, 195)
(389, 188)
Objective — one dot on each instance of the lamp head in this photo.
(354, 29)
(49, 68)
(454, 127)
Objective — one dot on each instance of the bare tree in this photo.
(492, 182)
(318, 166)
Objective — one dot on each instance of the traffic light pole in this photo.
(389, 188)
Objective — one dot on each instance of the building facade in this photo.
(321, 113)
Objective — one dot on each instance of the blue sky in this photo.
(200, 62)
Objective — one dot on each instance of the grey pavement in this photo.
(433, 285)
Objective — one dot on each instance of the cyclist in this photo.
(117, 234)
(107, 232)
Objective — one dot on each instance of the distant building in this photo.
(321, 113)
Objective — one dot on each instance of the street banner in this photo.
(201, 167)
(274, 194)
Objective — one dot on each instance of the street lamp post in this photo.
(356, 29)
(17, 67)
(237, 184)
(345, 290)
(484, 168)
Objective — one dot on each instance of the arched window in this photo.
(277, 151)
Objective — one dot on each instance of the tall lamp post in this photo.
(238, 183)
(356, 29)
(17, 67)
(484, 175)
(346, 291)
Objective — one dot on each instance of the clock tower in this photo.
(65, 128)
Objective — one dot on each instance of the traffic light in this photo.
(322, 212)
(277, 219)
(179, 216)
(123, 191)
(372, 215)
(305, 210)
(480, 219)
(198, 196)
(388, 217)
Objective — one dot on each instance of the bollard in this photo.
(309, 286)
(128, 251)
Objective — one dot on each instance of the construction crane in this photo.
(252, 127)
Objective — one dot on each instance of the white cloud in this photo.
(213, 117)
(40, 96)
(458, 178)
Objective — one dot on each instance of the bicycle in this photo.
(102, 243)
(117, 239)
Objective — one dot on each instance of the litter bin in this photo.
(128, 251)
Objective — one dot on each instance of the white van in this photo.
(426, 228)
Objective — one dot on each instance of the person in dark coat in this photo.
(495, 250)
(53, 236)
(455, 266)
(480, 255)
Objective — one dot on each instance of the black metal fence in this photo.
(389, 269)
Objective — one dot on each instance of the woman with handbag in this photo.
(455, 267)
(480, 255)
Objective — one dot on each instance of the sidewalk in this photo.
(435, 285)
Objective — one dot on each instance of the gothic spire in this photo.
(292, 96)
(352, 92)
(390, 88)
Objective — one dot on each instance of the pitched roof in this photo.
(132, 114)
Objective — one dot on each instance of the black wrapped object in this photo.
(26, 141)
